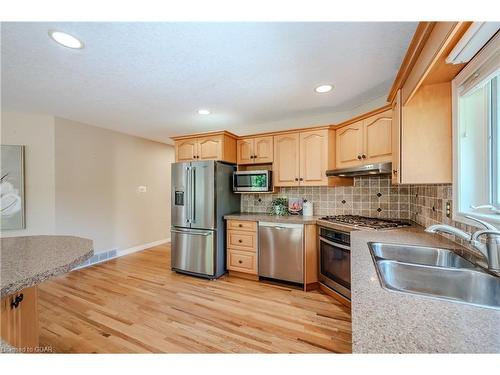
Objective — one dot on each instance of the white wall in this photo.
(82, 180)
(36, 132)
(98, 172)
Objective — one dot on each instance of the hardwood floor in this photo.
(135, 304)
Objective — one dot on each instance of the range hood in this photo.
(362, 170)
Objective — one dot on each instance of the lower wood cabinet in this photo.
(19, 319)
(241, 246)
(242, 261)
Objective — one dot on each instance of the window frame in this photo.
(467, 73)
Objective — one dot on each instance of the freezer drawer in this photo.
(193, 251)
(281, 251)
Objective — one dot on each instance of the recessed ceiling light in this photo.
(66, 40)
(203, 112)
(323, 88)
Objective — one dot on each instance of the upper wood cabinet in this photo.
(396, 138)
(302, 159)
(349, 141)
(286, 169)
(423, 136)
(214, 146)
(421, 101)
(186, 150)
(314, 147)
(255, 150)
(377, 138)
(365, 141)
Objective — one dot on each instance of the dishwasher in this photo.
(281, 251)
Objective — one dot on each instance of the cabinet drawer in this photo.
(242, 225)
(242, 261)
(242, 240)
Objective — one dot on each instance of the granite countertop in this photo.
(27, 261)
(392, 322)
(290, 219)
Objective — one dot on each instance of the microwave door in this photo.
(181, 195)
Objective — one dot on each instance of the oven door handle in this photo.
(335, 244)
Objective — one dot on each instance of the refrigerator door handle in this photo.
(191, 233)
(192, 212)
(188, 190)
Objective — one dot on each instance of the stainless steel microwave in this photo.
(252, 181)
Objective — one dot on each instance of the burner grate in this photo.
(368, 222)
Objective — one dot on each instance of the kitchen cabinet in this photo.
(212, 146)
(366, 141)
(421, 102)
(396, 138)
(19, 319)
(286, 166)
(349, 141)
(241, 240)
(302, 159)
(423, 137)
(257, 150)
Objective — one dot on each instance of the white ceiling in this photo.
(149, 79)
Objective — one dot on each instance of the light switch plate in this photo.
(142, 189)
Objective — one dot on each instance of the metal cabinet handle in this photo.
(240, 261)
(16, 301)
(240, 225)
(240, 241)
(395, 171)
(359, 157)
(296, 179)
(363, 156)
(301, 179)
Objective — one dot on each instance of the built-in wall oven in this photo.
(335, 260)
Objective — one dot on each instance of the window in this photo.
(476, 95)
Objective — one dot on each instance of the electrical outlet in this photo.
(142, 189)
(448, 209)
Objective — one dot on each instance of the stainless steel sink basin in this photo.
(415, 254)
(460, 285)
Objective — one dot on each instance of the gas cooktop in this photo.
(366, 222)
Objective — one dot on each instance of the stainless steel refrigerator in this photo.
(202, 194)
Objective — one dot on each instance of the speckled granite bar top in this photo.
(290, 219)
(391, 322)
(27, 261)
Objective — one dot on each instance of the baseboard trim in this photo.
(104, 256)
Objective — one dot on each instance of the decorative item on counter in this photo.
(295, 206)
(279, 207)
(307, 208)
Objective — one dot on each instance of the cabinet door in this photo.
(313, 158)
(245, 151)
(186, 150)
(210, 148)
(396, 139)
(263, 150)
(286, 160)
(377, 138)
(349, 145)
(19, 325)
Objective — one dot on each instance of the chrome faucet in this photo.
(490, 250)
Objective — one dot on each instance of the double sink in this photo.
(434, 272)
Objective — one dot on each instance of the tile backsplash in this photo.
(370, 196)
